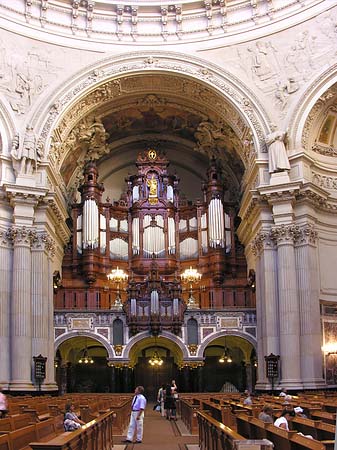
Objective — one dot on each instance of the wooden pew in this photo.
(214, 435)
(253, 428)
(95, 435)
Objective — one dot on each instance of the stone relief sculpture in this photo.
(93, 139)
(278, 158)
(26, 153)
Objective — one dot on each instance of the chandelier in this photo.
(85, 358)
(155, 360)
(117, 276)
(191, 276)
(226, 356)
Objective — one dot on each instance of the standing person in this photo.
(170, 404)
(174, 390)
(3, 404)
(71, 421)
(137, 416)
(160, 399)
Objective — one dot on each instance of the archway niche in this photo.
(81, 366)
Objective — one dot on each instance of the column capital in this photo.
(306, 234)
(284, 234)
(262, 241)
(43, 242)
(22, 235)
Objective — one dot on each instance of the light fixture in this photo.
(156, 360)
(226, 356)
(85, 358)
(117, 276)
(191, 276)
(330, 349)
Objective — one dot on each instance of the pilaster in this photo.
(42, 305)
(266, 302)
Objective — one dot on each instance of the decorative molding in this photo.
(227, 84)
(324, 149)
(193, 349)
(111, 22)
(118, 349)
(325, 182)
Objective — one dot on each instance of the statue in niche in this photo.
(278, 159)
(152, 184)
(26, 155)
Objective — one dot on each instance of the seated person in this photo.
(283, 393)
(300, 412)
(71, 421)
(248, 399)
(282, 421)
(266, 415)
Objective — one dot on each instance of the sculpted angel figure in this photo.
(278, 158)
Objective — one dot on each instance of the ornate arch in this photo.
(102, 80)
(213, 336)
(309, 105)
(166, 335)
(66, 336)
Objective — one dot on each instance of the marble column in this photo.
(21, 320)
(310, 320)
(266, 303)
(6, 258)
(289, 319)
(42, 306)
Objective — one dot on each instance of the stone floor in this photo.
(161, 434)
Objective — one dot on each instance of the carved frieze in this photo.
(324, 181)
(325, 150)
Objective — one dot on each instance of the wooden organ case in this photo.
(153, 235)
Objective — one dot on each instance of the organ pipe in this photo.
(135, 236)
(216, 223)
(171, 236)
(90, 224)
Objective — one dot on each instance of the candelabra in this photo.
(191, 276)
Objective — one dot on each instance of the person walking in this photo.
(138, 406)
(160, 399)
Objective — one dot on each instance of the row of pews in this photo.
(37, 422)
(223, 420)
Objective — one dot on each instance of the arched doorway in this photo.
(81, 366)
(230, 365)
(152, 376)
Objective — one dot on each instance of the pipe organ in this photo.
(153, 235)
